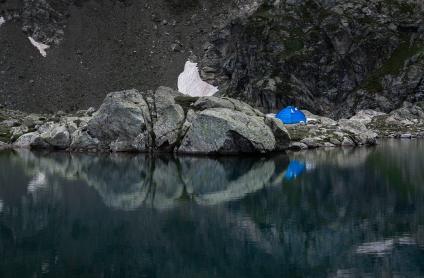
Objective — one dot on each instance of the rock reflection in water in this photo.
(350, 213)
(127, 182)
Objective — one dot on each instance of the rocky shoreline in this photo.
(167, 121)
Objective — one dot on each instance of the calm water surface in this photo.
(323, 213)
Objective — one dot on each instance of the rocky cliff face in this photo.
(330, 57)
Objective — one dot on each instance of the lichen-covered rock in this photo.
(225, 131)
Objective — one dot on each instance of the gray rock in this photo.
(366, 116)
(121, 118)
(224, 102)
(81, 140)
(315, 119)
(57, 136)
(282, 136)
(312, 143)
(169, 119)
(225, 131)
(4, 146)
(32, 120)
(359, 132)
(298, 146)
(18, 131)
(348, 142)
(11, 123)
(30, 140)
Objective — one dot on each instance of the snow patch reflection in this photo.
(384, 247)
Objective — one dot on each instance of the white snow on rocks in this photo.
(190, 83)
(2, 21)
(40, 46)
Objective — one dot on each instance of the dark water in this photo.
(324, 213)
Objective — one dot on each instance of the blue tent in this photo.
(291, 115)
(295, 169)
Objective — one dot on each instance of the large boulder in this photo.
(225, 131)
(120, 120)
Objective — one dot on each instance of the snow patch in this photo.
(40, 46)
(2, 21)
(190, 83)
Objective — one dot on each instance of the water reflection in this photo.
(295, 169)
(128, 182)
(351, 212)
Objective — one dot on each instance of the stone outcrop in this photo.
(159, 121)
(325, 132)
(333, 58)
(221, 130)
